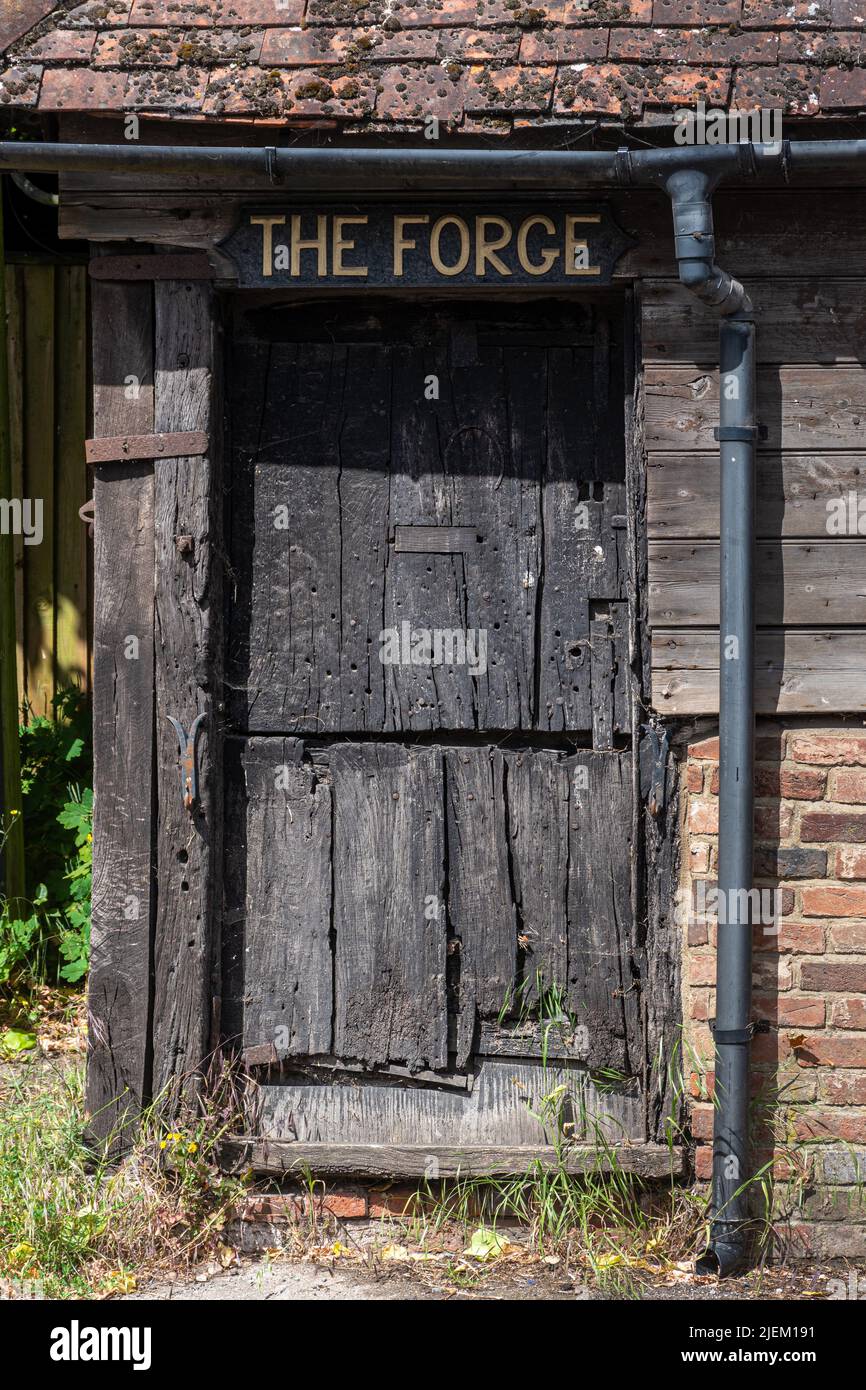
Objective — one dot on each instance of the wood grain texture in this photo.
(796, 671)
(39, 426)
(506, 1097)
(70, 549)
(188, 663)
(123, 710)
(794, 494)
(603, 970)
(812, 320)
(280, 1157)
(801, 407)
(286, 907)
(797, 582)
(389, 880)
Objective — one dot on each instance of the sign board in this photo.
(388, 247)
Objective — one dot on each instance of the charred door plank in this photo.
(389, 922)
(603, 984)
(288, 986)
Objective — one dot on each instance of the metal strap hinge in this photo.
(140, 447)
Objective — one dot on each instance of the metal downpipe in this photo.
(728, 1250)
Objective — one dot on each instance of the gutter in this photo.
(689, 177)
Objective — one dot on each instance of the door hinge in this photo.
(188, 744)
(655, 747)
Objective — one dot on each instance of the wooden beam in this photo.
(71, 647)
(796, 671)
(39, 442)
(821, 405)
(11, 823)
(188, 664)
(285, 1157)
(119, 985)
(793, 493)
(806, 583)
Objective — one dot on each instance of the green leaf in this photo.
(12, 1042)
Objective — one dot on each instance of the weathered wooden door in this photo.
(430, 825)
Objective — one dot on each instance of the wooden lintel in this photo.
(167, 267)
(121, 448)
(283, 1157)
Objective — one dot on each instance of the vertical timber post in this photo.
(11, 824)
(119, 989)
(188, 658)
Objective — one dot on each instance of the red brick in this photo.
(701, 1005)
(695, 777)
(61, 46)
(793, 783)
(702, 970)
(707, 749)
(838, 976)
(699, 858)
(828, 901)
(80, 89)
(824, 826)
(773, 822)
(821, 1051)
(704, 1162)
(848, 937)
(849, 1013)
(792, 1010)
(704, 817)
(698, 933)
(797, 938)
(848, 784)
(292, 1206)
(509, 89)
(844, 1088)
(836, 1125)
(830, 749)
(564, 45)
(702, 1121)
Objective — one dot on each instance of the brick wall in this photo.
(809, 979)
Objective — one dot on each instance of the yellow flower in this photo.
(191, 1148)
(89, 839)
(14, 813)
(162, 1143)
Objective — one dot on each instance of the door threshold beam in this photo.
(288, 1158)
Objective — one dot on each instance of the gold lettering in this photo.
(267, 225)
(319, 244)
(548, 257)
(402, 243)
(577, 248)
(435, 237)
(486, 250)
(341, 245)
